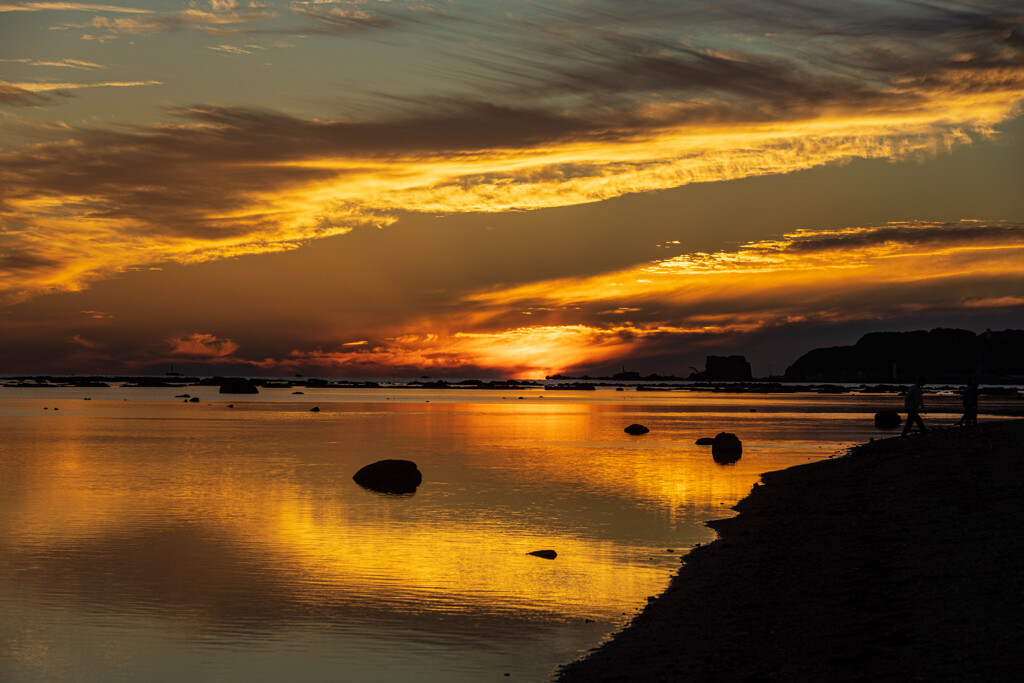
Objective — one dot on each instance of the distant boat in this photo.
(172, 373)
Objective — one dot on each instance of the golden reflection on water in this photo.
(214, 518)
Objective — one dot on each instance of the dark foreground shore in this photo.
(903, 561)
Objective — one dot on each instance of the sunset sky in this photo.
(501, 188)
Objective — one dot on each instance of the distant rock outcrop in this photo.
(726, 448)
(389, 476)
(724, 369)
(636, 430)
(942, 355)
(888, 419)
(238, 385)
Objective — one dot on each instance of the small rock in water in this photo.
(887, 419)
(194, 399)
(726, 448)
(389, 476)
(705, 441)
(636, 430)
(315, 409)
(546, 554)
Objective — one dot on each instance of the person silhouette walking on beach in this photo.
(970, 417)
(914, 405)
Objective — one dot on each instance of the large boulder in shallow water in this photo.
(238, 385)
(636, 430)
(726, 448)
(390, 476)
(888, 419)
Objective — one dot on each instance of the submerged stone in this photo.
(636, 430)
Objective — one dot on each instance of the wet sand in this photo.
(899, 562)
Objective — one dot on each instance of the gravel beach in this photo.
(901, 561)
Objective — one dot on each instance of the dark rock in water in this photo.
(194, 399)
(546, 554)
(726, 448)
(183, 396)
(888, 419)
(390, 476)
(238, 385)
(298, 393)
(636, 430)
(705, 441)
(315, 409)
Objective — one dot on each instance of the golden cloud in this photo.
(240, 182)
(201, 346)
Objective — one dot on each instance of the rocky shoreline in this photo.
(898, 562)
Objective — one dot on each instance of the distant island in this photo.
(941, 355)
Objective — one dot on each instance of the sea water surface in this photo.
(143, 538)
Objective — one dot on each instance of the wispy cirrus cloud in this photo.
(34, 94)
(69, 7)
(217, 17)
(65, 63)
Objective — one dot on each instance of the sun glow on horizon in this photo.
(823, 276)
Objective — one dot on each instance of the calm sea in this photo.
(143, 538)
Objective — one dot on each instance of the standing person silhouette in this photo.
(914, 405)
(970, 418)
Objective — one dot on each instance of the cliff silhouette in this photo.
(941, 355)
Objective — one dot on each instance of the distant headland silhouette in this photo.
(942, 354)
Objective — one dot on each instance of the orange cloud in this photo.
(201, 347)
